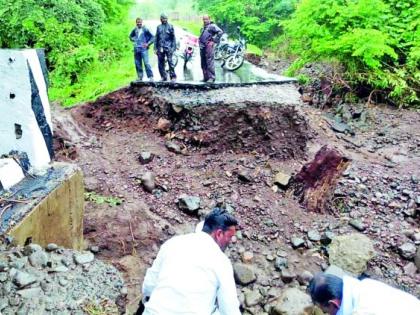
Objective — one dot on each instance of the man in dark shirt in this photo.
(210, 35)
(142, 39)
(165, 46)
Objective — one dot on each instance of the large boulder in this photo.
(351, 252)
(292, 301)
(244, 274)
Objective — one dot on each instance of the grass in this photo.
(99, 80)
(252, 49)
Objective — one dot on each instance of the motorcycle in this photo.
(191, 44)
(221, 48)
(235, 55)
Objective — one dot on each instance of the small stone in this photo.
(282, 179)
(23, 279)
(244, 176)
(94, 249)
(407, 250)
(189, 203)
(291, 302)
(297, 242)
(85, 258)
(410, 269)
(417, 259)
(173, 147)
(31, 248)
(244, 274)
(3, 265)
(314, 236)
(30, 293)
(148, 181)
(247, 257)
(287, 276)
(124, 291)
(52, 247)
(63, 282)
(163, 124)
(304, 277)
(281, 263)
(252, 297)
(14, 300)
(357, 224)
(146, 157)
(38, 259)
(60, 269)
(4, 276)
(19, 263)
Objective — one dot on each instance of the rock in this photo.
(3, 265)
(173, 147)
(31, 248)
(287, 276)
(407, 250)
(327, 237)
(163, 124)
(52, 247)
(85, 258)
(23, 279)
(244, 274)
(244, 176)
(60, 269)
(297, 242)
(247, 257)
(146, 157)
(291, 302)
(410, 269)
(357, 224)
(351, 252)
(19, 263)
(148, 181)
(304, 277)
(282, 179)
(336, 271)
(38, 259)
(314, 236)
(30, 293)
(281, 263)
(189, 203)
(417, 259)
(340, 127)
(252, 297)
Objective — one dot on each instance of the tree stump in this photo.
(316, 181)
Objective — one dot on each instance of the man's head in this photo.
(206, 20)
(326, 291)
(163, 18)
(139, 22)
(221, 226)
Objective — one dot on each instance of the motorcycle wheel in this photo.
(174, 60)
(220, 53)
(234, 62)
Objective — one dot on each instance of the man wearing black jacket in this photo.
(209, 36)
(165, 46)
(142, 39)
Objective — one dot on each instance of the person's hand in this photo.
(144, 45)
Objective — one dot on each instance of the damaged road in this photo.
(173, 154)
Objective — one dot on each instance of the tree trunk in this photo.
(316, 181)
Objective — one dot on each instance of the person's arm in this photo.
(227, 298)
(217, 33)
(133, 35)
(151, 38)
(152, 275)
(173, 39)
(157, 39)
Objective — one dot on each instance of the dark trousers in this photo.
(141, 56)
(166, 54)
(207, 61)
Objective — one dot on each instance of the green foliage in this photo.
(378, 42)
(98, 199)
(259, 19)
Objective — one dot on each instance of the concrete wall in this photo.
(57, 218)
(25, 117)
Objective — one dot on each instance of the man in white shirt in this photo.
(191, 275)
(350, 296)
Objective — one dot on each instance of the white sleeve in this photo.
(152, 274)
(227, 298)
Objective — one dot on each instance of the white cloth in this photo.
(188, 276)
(370, 297)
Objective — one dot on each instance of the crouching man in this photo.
(191, 274)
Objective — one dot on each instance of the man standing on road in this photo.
(191, 274)
(165, 46)
(142, 39)
(210, 35)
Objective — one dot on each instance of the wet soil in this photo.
(220, 145)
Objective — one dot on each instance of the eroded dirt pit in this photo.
(227, 151)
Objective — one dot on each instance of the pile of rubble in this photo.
(57, 281)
